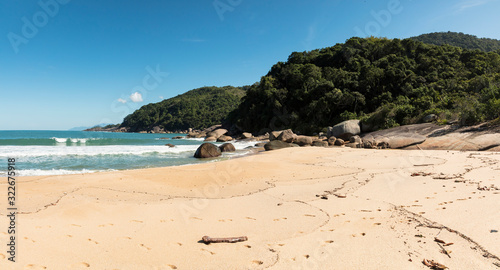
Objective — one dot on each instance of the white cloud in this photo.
(121, 100)
(136, 97)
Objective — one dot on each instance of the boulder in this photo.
(177, 138)
(217, 133)
(246, 135)
(339, 142)
(227, 147)
(354, 145)
(212, 128)
(210, 139)
(320, 143)
(224, 138)
(345, 129)
(355, 139)
(207, 150)
(164, 138)
(430, 118)
(404, 140)
(303, 140)
(331, 140)
(170, 145)
(273, 135)
(286, 136)
(275, 145)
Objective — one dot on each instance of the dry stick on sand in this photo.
(207, 239)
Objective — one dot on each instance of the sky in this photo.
(70, 63)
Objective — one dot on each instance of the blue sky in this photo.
(68, 63)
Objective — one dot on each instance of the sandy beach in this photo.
(301, 208)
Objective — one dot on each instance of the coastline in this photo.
(290, 203)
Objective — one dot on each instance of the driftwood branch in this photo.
(207, 239)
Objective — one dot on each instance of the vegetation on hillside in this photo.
(381, 81)
(460, 40)
(198, 108)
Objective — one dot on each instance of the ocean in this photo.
(76, 152)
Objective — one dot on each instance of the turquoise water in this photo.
(72, 152)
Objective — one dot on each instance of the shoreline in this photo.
(308, 207)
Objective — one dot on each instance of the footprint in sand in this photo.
(180, 244)
(307, 256)
(250, 218)
(76, 225)
(247, 246)
(258, 262)
(95, 242)
(172, 266)
(145, 247)
(137, 221)
(307, 215)
(196, 218)
(127, 237)
(212, 253)
(80, 265)
(2, 256)
(329, 241)
(34, 266)
(69, 235)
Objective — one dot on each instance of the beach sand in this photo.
(301, 208)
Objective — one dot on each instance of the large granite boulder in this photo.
(227, 147)
(224, 138)
(320, 143)
(405, 139)
(210, 139)
(273, 135)
(217, 133)
(207, 150)
(401, 137)
(303, 140)
(246, 135)
(210, 129)
(287, 136)
(345, 130)
(275, 145)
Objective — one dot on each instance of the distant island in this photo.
(382, 82)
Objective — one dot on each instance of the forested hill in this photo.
(381, 81)
(198, 108)
(460, 40)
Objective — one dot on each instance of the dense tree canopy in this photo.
(197, 108)
(384, 82)
(460, 40)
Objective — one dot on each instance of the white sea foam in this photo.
(73, 140)
(36, 151)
